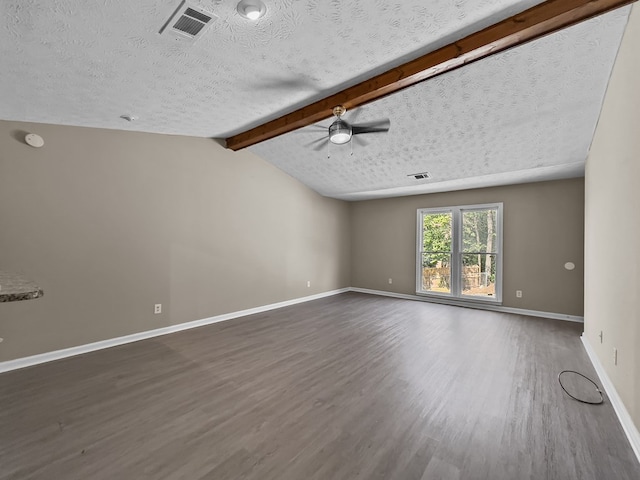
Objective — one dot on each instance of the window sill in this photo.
(463, 301)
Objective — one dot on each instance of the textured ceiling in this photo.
(525, 114)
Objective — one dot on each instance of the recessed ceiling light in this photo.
(251, 9)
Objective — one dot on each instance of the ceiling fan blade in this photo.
(312, 129)
(321, 145)
(315, 128)
(317, 144)
(379, 126)
(283, 84)
(360, 141)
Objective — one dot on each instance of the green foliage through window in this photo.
(479, 236)
(436, 240)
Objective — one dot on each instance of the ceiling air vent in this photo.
(188, 22)
(420, 176)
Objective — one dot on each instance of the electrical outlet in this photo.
(157, 308)
(308, 283)
(390, 281)
(518, 293)
(615, 356)
(1, 340)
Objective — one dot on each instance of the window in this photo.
(460, 252)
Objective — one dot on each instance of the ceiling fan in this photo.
(341, 131)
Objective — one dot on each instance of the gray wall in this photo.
(543, 229)
(111, 222)
(612, 271)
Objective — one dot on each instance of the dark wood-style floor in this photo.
(352, 386)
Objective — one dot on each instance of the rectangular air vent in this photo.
(188, 22)
(420, 176)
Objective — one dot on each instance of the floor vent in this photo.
(188, 23)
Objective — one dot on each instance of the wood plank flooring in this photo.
(348, 387)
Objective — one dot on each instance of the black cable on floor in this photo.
(578, 399)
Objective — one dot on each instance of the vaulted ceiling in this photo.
(525, 114)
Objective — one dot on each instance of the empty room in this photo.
(293, 239)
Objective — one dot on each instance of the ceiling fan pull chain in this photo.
(351, 143)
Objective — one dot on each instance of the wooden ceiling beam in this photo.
(536, 22)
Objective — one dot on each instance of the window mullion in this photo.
(456, 264)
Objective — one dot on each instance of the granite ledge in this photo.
(14, 287)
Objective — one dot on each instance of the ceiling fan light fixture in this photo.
(251, 9)
(339, 132)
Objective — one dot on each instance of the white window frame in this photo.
(457, 252)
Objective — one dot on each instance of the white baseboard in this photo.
(112, 342)
(623, 415)
(481, 306)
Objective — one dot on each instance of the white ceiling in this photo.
(526, 114)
